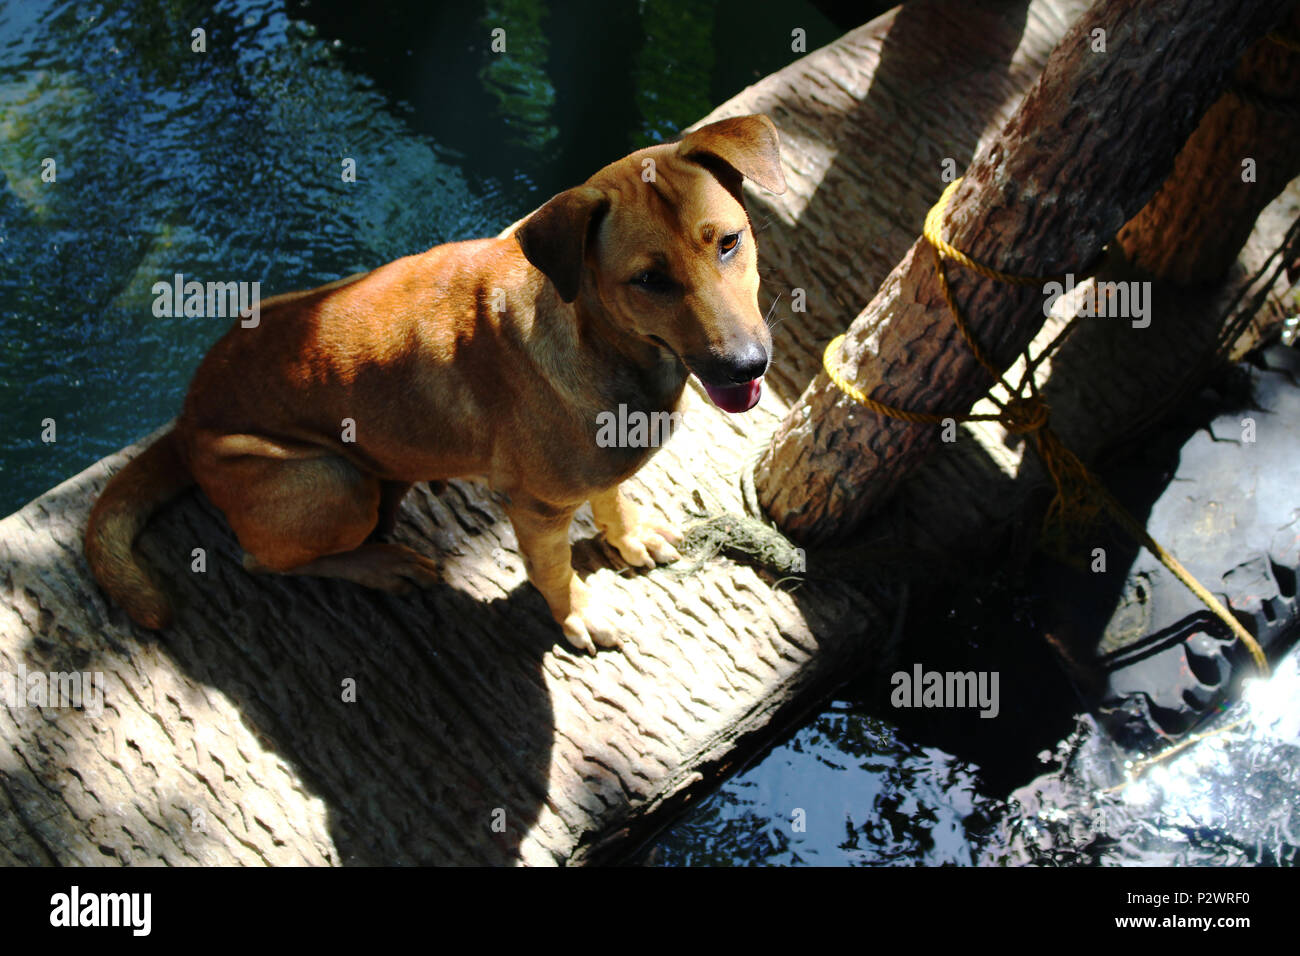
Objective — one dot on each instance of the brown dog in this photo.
(491, 358)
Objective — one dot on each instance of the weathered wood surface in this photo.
(226, 739)
(975, 498)
(1244, 151)
(1087, 148)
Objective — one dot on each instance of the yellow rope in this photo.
(1142, 766)
(1140, 533)
(1079, 495)
(933, 233)
(862, 398)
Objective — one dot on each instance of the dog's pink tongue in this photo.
(736, 398)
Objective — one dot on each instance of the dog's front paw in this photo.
(588, 624)
(648, 544)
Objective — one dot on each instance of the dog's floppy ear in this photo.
(748, 144)
(554, 238)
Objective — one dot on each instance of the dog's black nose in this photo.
(747, 363)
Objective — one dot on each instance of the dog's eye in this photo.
(652, 281)
(728, 243)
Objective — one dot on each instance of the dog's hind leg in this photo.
(391, 494)
(298, 509)
(385, 567)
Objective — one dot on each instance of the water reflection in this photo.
(871, 797)
(672, 68)
(224, 165)
(1231, 798)
(845, 790)
(515, 72)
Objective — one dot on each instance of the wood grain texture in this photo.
(225, 740)
(1086, 149)
(1193, 227)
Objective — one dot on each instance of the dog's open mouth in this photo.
(729, 398)
(735, 398)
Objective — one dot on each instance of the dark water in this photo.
(865, 783)
(848, 789)
(226, 165)
(869, 796)
(883, 785)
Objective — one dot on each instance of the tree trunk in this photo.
(1193, 228)
(1088, 147)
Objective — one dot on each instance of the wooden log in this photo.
(979, 498)
(1244, 151)
(1087, 148)
(303, 721)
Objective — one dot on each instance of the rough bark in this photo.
(1193, 228)
(1087, 148)
(1107, 386)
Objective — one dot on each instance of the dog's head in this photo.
(660, 244)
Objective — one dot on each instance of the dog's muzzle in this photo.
(735, 382)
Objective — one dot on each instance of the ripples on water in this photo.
(870, 798)
(863, 796)
(1231, 798)
(222, 166)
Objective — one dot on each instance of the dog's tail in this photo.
(149, 481)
